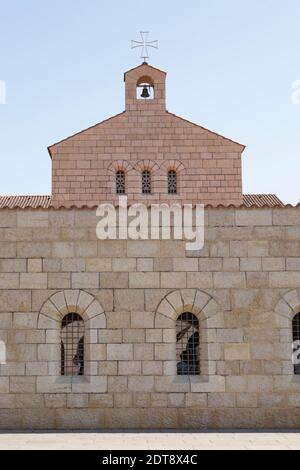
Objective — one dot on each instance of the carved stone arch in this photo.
(175, 165)
(209, 315)
(196, 301)
(71, 301)
(289, 305)
(150, 165)
(119, 165)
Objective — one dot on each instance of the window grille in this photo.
(172, 182)
(72, 345)
(120, 182)
(296, 337)
(187, 344)
(146, 182)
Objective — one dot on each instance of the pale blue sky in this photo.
(230, 65)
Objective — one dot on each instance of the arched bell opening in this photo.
(145, 88)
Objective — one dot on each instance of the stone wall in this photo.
(244, 287)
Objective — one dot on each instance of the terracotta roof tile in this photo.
(12, 202)
(262, 200)
(44, 202)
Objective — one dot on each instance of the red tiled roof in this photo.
(12, 202)
(44, 202)
(262, 200)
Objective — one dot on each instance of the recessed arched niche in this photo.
(145, 88)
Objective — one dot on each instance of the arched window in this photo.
(172, 182)
(120, 182)
(187, 344)
(72, 345)
(296, 337)
(146, 182)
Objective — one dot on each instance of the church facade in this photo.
(144, 333)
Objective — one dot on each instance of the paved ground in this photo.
(150, 440)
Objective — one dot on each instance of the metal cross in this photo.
(144, 44)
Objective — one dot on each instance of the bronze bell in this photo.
(145, 92)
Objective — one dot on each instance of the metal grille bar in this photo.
(146, 182)
(120, 182)
(172, 182)
(72, 345)
(296, 337)
(187, 344)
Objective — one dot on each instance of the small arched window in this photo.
(120, 182)
(72, 345)
(172, 182)
(296, 337)
(146, 182)
(187, 344)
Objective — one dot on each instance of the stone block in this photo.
(92, 385)
(145, 265)
(34, 265)
(152, 368)
(154, 335)
(201, 280)
(22, 384)
(114, 280)
(110, 336)
(50, 384)
(141, 320)
(221, 400)
(33, 281)
(130, 368)
(229, 335)
(118, 319)
(164, 352)
(213, 383)
(59, 280)
(136, 335)
(147, 280)
(185, 264)
(9, 280)
(176, 400)
(250, 264)
(98, 265)
(141, 384)
(144, 352)
(237, 352)
(129, 299)
(173, 280)
(25, 320)
(32, 218)
(120, 352)
(196, 400)
(246, 217)
(124, 264)
(284, 279)
(229, 280)
(98, 352)
(85, 280)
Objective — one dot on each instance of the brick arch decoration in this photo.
(142, 165)
(175, 165)
(210, 317)
(118, 165)
(50, 317)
